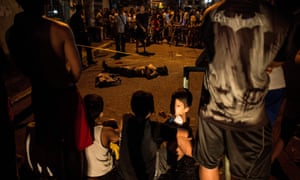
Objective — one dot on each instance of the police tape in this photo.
(103, 49)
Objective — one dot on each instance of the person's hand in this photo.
(68, 66)
(164, 115)
(272, 65)
(269, 69)
(179, 153)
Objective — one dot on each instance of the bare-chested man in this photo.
(45, 51)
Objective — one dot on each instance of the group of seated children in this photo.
(142, 148)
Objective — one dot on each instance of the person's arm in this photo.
(109, 135)
(279, 145)
(110, 138)
(209, 9)
(113, 135)
(273, 65)
(168, 133)
(184, 141)
(71, 55)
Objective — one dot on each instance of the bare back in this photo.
(45, 50)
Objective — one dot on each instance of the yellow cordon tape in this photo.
(103, 49)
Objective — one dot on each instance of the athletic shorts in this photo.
(273, 102)
(249, 152)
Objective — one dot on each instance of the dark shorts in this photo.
(273, 102)
(249, 152)
(140, 34)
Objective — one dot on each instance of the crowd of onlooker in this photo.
(176, 26)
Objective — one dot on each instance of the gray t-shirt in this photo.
(241, 48)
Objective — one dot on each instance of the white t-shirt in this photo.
(277, 80)
(99, 159)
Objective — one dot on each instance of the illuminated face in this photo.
(180, 109)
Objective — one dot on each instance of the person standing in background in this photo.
(142, 20)
(131, 17)
(82, 38)
(120, 23)
(99, 18)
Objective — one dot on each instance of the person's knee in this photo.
(206, 173)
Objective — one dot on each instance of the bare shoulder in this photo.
(59, 26)
(111, 133)
(211, 8)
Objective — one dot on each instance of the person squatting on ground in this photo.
(242, 38)
(77, 23)
(141, 140)
(45, 51)
(149, 71)
(181, 165)
(99, 159)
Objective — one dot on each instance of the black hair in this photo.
(111, 123)
(94, 106)
(78, 7)
(142, 103)
(182, 94)
(35, 7)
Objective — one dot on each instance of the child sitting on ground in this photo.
(182, 166)
(99, 157)
(140, 148)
